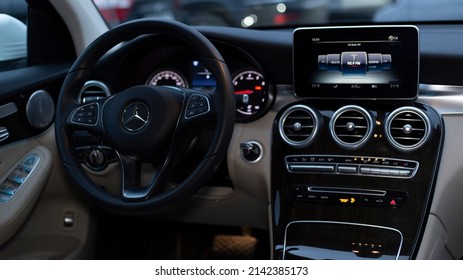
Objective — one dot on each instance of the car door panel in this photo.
(46, 218)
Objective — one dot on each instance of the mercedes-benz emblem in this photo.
(135, 116)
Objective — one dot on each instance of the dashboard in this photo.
(346, 142)
(339, 146)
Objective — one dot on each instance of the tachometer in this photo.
(167, 77)
(250, 92)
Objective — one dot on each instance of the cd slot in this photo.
(347, 191)
(349, 196)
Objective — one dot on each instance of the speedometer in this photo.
(167, 77)
(250, 92)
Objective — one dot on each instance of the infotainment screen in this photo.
(371, 62)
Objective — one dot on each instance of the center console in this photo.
(354, 161)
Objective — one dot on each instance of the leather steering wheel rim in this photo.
(223, 103)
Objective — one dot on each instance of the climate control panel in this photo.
(352, 165)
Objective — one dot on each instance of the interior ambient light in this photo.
(281, 7)
(249, 20)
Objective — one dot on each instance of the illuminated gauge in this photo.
(250, 92)
(167, 78)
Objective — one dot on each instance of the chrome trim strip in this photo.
(4, 133)
(8, 109)
(441, 89)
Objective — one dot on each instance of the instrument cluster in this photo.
(253, 91)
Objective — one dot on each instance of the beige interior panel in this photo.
(434, 240)
(448, 193)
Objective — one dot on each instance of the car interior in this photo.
(154, 139)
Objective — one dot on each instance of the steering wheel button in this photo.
(201, 110)
(77, 119)
(90, 114)
(90, 120)
(191, 113)
(193, 105)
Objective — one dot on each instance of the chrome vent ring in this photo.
(407, 128)
(351, 127)
(298, 126)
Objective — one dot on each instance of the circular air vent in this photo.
(298, 126)
(407, 128)
(351, 126)
(93, 90)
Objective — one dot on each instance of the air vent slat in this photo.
(298, 126)
(298, 135)
(357, 126)
(351, 117)
(407, 128)
(348, 135)
(302, 126)
(408, 120)
(401, 129)
(299, 117)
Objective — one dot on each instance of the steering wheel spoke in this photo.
(131, 173)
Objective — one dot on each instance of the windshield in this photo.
(271, 13)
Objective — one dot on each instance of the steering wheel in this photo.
(147, 124)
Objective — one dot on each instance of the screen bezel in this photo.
(409, 56)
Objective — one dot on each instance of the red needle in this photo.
(248, 91)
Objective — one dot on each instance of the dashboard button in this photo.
(365, 170)
(380, 201)
(312, 196)
(405, 173)
(375, 171)
(347, 169)
(394, 172)
(325, 197)
(311, 168)
(384, 171)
